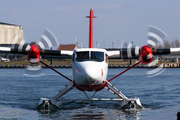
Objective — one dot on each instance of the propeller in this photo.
(147, 52)
(155, 39)
(146, 55)
(155, 36)
(34, 54)
(47, 41)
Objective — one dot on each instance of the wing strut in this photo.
(55, 71)
(124, 71)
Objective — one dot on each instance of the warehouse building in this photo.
(10, 33)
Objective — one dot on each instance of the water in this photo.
(160, 96)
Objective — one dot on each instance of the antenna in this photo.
(75, 39)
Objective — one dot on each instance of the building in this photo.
(10, 33)
(69, 47)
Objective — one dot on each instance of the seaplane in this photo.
(90, 68)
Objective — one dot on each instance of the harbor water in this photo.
(159, 95)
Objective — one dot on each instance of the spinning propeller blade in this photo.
(48, 40)
(155, 39)
(155, 36)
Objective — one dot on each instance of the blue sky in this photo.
(117, 20)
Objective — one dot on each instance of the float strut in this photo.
(56, 71)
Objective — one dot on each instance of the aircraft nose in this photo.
(92, 74)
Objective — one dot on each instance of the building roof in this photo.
(8, 24)
(69, 47)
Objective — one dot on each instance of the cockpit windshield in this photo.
(81, 56)
(97, 56)
(90, 55)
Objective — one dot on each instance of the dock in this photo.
(166, 65)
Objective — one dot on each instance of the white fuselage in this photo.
(90, 67)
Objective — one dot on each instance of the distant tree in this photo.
(172, 44)
(177, 43)
(24, 57)
(159, 46)
(15, 59)
(166, 44)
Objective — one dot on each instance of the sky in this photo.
(117, 20)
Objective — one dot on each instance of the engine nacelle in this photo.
(34, 54)
(146, 54)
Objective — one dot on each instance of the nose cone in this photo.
(92, 75)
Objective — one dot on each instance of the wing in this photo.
(123, 53)
(36, 53)
(146, 52)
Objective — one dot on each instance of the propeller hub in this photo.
(34, 54)
(146, 54)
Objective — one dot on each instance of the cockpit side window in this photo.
(73, 57)
(106, 58)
